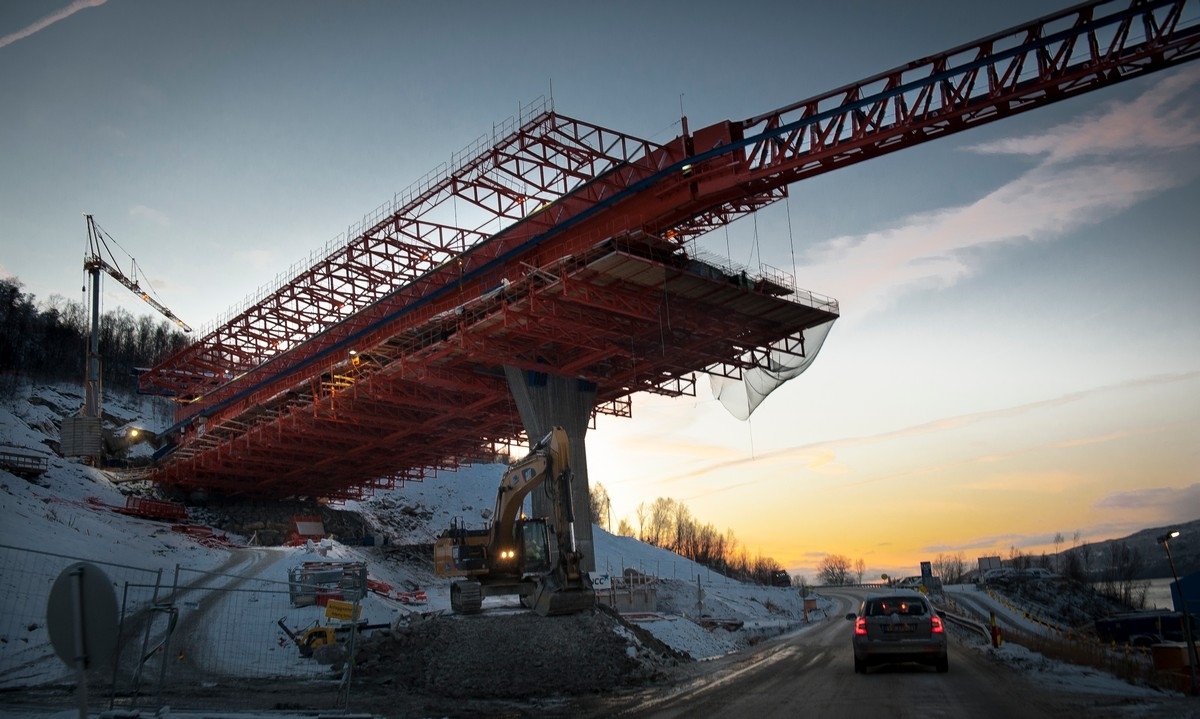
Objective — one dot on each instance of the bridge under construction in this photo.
(551, 270)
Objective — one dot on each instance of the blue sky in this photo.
(1019, 352)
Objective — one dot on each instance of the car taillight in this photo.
(860, 626)
(937, 625)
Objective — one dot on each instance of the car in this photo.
(899, 626)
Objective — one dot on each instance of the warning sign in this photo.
(342, 611)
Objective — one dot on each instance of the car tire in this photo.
(860, 667)
(943, 665)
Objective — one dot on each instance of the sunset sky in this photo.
(1019, 348)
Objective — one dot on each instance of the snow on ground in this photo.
(1049, 673)
(1057, 675)
(1008, 614)
(57, 513)
(67, 512)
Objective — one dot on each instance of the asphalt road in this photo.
(814, 672)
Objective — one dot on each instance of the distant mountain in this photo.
(1185, 550)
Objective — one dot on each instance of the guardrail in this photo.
(967, 624)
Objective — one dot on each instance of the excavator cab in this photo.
(463, 552)
(535, 546)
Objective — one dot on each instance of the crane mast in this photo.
(93, 262)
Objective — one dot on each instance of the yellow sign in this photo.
(342, 611)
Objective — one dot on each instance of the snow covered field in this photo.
(228, 621)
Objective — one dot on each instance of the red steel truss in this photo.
(561, 247)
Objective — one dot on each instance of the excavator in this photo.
(513, 555)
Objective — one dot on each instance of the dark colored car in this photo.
(898, 627)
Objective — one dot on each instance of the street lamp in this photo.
(1165, 540)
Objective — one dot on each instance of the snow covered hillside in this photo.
(67, 514)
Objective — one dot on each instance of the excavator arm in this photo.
(494, 560)
(547, 456)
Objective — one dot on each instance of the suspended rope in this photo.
(787, 204)
(754, 245)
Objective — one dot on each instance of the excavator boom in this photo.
(512, 556)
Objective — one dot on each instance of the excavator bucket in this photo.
(551, 598)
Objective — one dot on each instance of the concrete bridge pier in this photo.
(545, 401)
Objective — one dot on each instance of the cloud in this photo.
(1155, 121)
(1173, 504)
(1089, 170)
(49, 20)
(258, 259)
(821, 457)
(154, 217)
(990, 543)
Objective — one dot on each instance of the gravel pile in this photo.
(512, 655)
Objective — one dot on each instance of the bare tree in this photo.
(660, 529)
(834, 570)
(624, 529)
(860, 568)
(1077, 564)
(601, 505)
(950, 567)
(1117, 579)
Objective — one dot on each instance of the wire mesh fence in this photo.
(26, 578)
(192, 640)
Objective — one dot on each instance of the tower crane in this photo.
(93, 262)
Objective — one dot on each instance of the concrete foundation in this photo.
(546, 401)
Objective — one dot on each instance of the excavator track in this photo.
(466, 596)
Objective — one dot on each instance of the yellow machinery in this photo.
(514, 554)
(310, 638)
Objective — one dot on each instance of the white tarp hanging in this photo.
(742, 397)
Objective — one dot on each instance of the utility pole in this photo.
(1165, 540)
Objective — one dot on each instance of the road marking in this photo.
(709, 684)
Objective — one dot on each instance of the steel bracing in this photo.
(561, 247)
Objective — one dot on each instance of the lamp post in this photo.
(1165, 540)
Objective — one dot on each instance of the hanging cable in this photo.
(728, 249)
(754, 245)
(787, 204)
(667, 312)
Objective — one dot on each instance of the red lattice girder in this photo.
(426, 293)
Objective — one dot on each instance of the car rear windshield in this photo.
(895, 605)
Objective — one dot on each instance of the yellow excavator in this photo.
(514, 554)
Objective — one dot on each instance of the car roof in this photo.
(897, 592)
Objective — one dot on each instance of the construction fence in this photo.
(187, 638)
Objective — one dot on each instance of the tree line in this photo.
(48, 341)
(1112, 571)
(668, 524)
